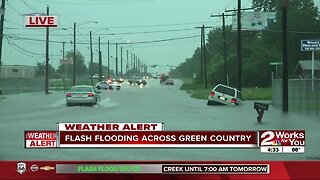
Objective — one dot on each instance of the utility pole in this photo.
(203, 54)
(134, 63)
(127, 67)
(3, 3)
(239, 75)
(121, 61)
(63, 47)
(47, 58)
(285, 56)
(116, 59)
(108, 60)
(204, 57)
(100, 62)
(74, 54)
(91, 60)
(239, 69)
(223, 16)
(64, 67)
(137, 64)
(131, 64)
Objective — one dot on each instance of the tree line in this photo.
(67, 70)
(259, 48)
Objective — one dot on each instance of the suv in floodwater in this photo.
(223, 94)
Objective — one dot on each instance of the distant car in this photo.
(169, 82)
(114, 85)
(163, 78)
(96, 76)
(103, 85)
(141, 81)
(82, 94)
(134, 80)
(222, 94)
(108, 85)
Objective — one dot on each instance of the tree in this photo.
(258, 48)
(81, 68)
(95, 68)
(41, 67)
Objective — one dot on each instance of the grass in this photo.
(58, 84)
(199, 92)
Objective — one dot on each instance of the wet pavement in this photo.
(151, 103)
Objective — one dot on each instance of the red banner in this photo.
(245, 139)
(50, 170)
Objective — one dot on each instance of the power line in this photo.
(154, 25)
(98, 3)
(22, 50)
(141, 32)
(30, 7)
(86, 43)
(14, 9)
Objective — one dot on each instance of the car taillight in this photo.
(212, 93)
(90, 95)
(69, 94)
(233, 100)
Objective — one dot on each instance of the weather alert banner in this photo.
(110, 126)
(153, 135)
(282, 141)
(40, 139)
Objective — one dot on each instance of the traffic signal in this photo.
(168, 66)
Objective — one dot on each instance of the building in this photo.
(18, 71)
(304, 69)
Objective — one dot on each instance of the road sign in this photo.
(310, 45)
(66, 61)
(275, 63)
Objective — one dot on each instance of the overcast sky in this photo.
(129, 21)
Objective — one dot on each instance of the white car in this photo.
(82, 94)
(96, 76)
(223, 94)
(108, 85)
(115, 85)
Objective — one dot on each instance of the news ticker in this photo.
(163, 168)
(153, 135)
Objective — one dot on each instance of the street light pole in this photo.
(108, 59)
(121, 61)
(74, 54)
(91, 59)
(116, 59)
(100, 61)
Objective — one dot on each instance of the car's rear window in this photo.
(80, 89)
(225, 90)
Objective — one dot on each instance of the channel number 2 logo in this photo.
(268, 139)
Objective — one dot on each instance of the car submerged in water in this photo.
(222, 94)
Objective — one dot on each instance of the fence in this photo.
(303, 95)
(18, 85)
